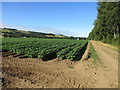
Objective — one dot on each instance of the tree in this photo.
(106, 26)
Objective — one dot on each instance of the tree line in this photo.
(106, 26)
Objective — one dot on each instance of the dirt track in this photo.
(109, 58)
(35, 73)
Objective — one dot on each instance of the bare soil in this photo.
(35, 73)
(109, 58)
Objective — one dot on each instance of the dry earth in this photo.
(109, 58)
(35, 73)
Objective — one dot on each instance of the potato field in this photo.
(45, 49)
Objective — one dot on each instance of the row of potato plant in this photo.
(43, 48)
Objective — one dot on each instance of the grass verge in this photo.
(111, 46)
(93, 54)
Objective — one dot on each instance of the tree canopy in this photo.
(106, 27)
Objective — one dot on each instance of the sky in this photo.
(50, 0)
(67, 18)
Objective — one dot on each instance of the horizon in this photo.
(67, 18)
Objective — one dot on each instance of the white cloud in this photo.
(39, 29)
(0, 24)
(82, 34)
(75, 33)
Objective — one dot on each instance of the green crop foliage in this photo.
(44, 48)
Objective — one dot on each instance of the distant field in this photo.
(45, 48)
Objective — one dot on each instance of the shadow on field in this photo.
(77, 58)
(82, 51)
(50, 57)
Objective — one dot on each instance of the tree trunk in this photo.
(118, 31)
(114, 32)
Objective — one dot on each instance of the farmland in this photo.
(53, 63)
(59, 44)
(46, 49)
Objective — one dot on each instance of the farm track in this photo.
(109, 58)
(35, 73)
